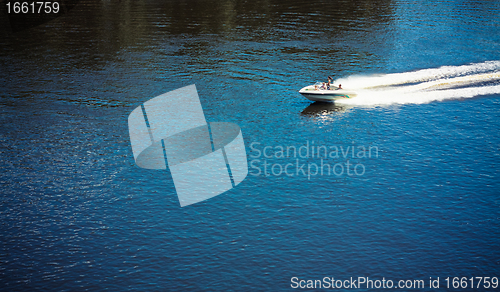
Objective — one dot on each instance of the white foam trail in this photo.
(456, 81)
(423, 86)
(398, 97)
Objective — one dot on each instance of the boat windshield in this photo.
(319, 85)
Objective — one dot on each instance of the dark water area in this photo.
(76, 212)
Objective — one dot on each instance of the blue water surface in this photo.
(77, 214)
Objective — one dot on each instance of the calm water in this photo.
(76, 212)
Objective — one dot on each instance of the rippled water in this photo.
(76, 212)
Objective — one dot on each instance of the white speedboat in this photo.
(317, 92)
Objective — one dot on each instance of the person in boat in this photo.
(340, 86)
(323, 86)
(330, 81)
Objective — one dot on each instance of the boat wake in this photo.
(424, 86)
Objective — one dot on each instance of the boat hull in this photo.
(313, 94)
